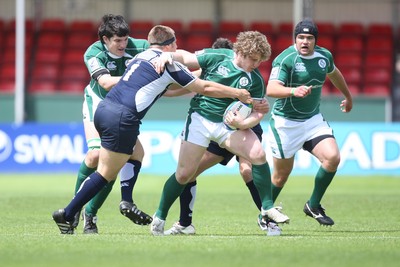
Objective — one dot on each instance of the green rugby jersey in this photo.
(217, 66)
(294, 70)
(98, 58)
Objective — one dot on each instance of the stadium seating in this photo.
(265, 27)
(285, 28)
(197, 42)
(349, 59)
(7, 86)
(53, 25)
(349, 44)
(45, 72)
(200, 27)
(140, 28)
(42, 87)
(82, 26)
(51, 40)
(354, 29)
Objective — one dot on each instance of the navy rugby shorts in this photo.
(118, 127)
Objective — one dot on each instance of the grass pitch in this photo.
(365, 209)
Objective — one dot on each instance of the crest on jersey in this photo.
(244, 81)
(111, 65)
(300, 67)
(223, 71)
(322, 63)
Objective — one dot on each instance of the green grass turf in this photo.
(365, 209)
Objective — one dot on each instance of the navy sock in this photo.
(254, 194)
(129, 175)
(89, 188)
(186, 200)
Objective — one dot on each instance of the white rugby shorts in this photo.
(286, 137)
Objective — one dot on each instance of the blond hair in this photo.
(252, 42)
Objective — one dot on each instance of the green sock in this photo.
(84, 172)
(275, 192)
(262, 181)
(97, 201)
(171, 191)
(321, 183)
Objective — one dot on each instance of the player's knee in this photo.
(92, 158)
(279, 180)
(246, 174)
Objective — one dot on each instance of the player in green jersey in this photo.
(236, 68)
(106, 61)
(296, 80)
(214, 155)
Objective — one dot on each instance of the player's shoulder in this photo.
(323, 51)
(95, 49)
(286, 54)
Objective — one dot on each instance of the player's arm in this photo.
(213, 89)
(252, 120)
(107, 81)
(277, 89)
(175, 90)
(337, 79)
(182, 56)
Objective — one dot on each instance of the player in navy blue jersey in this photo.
(118, 116)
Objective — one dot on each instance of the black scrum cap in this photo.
(306, 26)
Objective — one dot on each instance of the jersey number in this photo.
(130, 71)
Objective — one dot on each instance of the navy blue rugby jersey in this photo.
(140, 86)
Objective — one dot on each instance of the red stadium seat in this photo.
(74, 86)
(381, 60)
(349, 44)
(352, 75)
(53, 25)
(42, 87)
(7, 86)
(140, 27)
(326, 29)
(230, 27)
(196, 42)
(376, 44)
(73, 56)
(48, 56)
(282, 42)
(380, 29)
(327, 42)
(349, 60)
(82, 26)
(76, 72)
(376, 90)
(46, 72)
(285, 28)
(51, 40)
(200, 27)
(9, 57)
(377, 76)
(351, 28)
(265, 27)
(80, 40)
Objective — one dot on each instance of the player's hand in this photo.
(233, 119)
(301, 91)
(346, 106)
(165, 58)
(245, 96)
(261, 105)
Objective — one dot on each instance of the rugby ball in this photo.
(239, 109)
